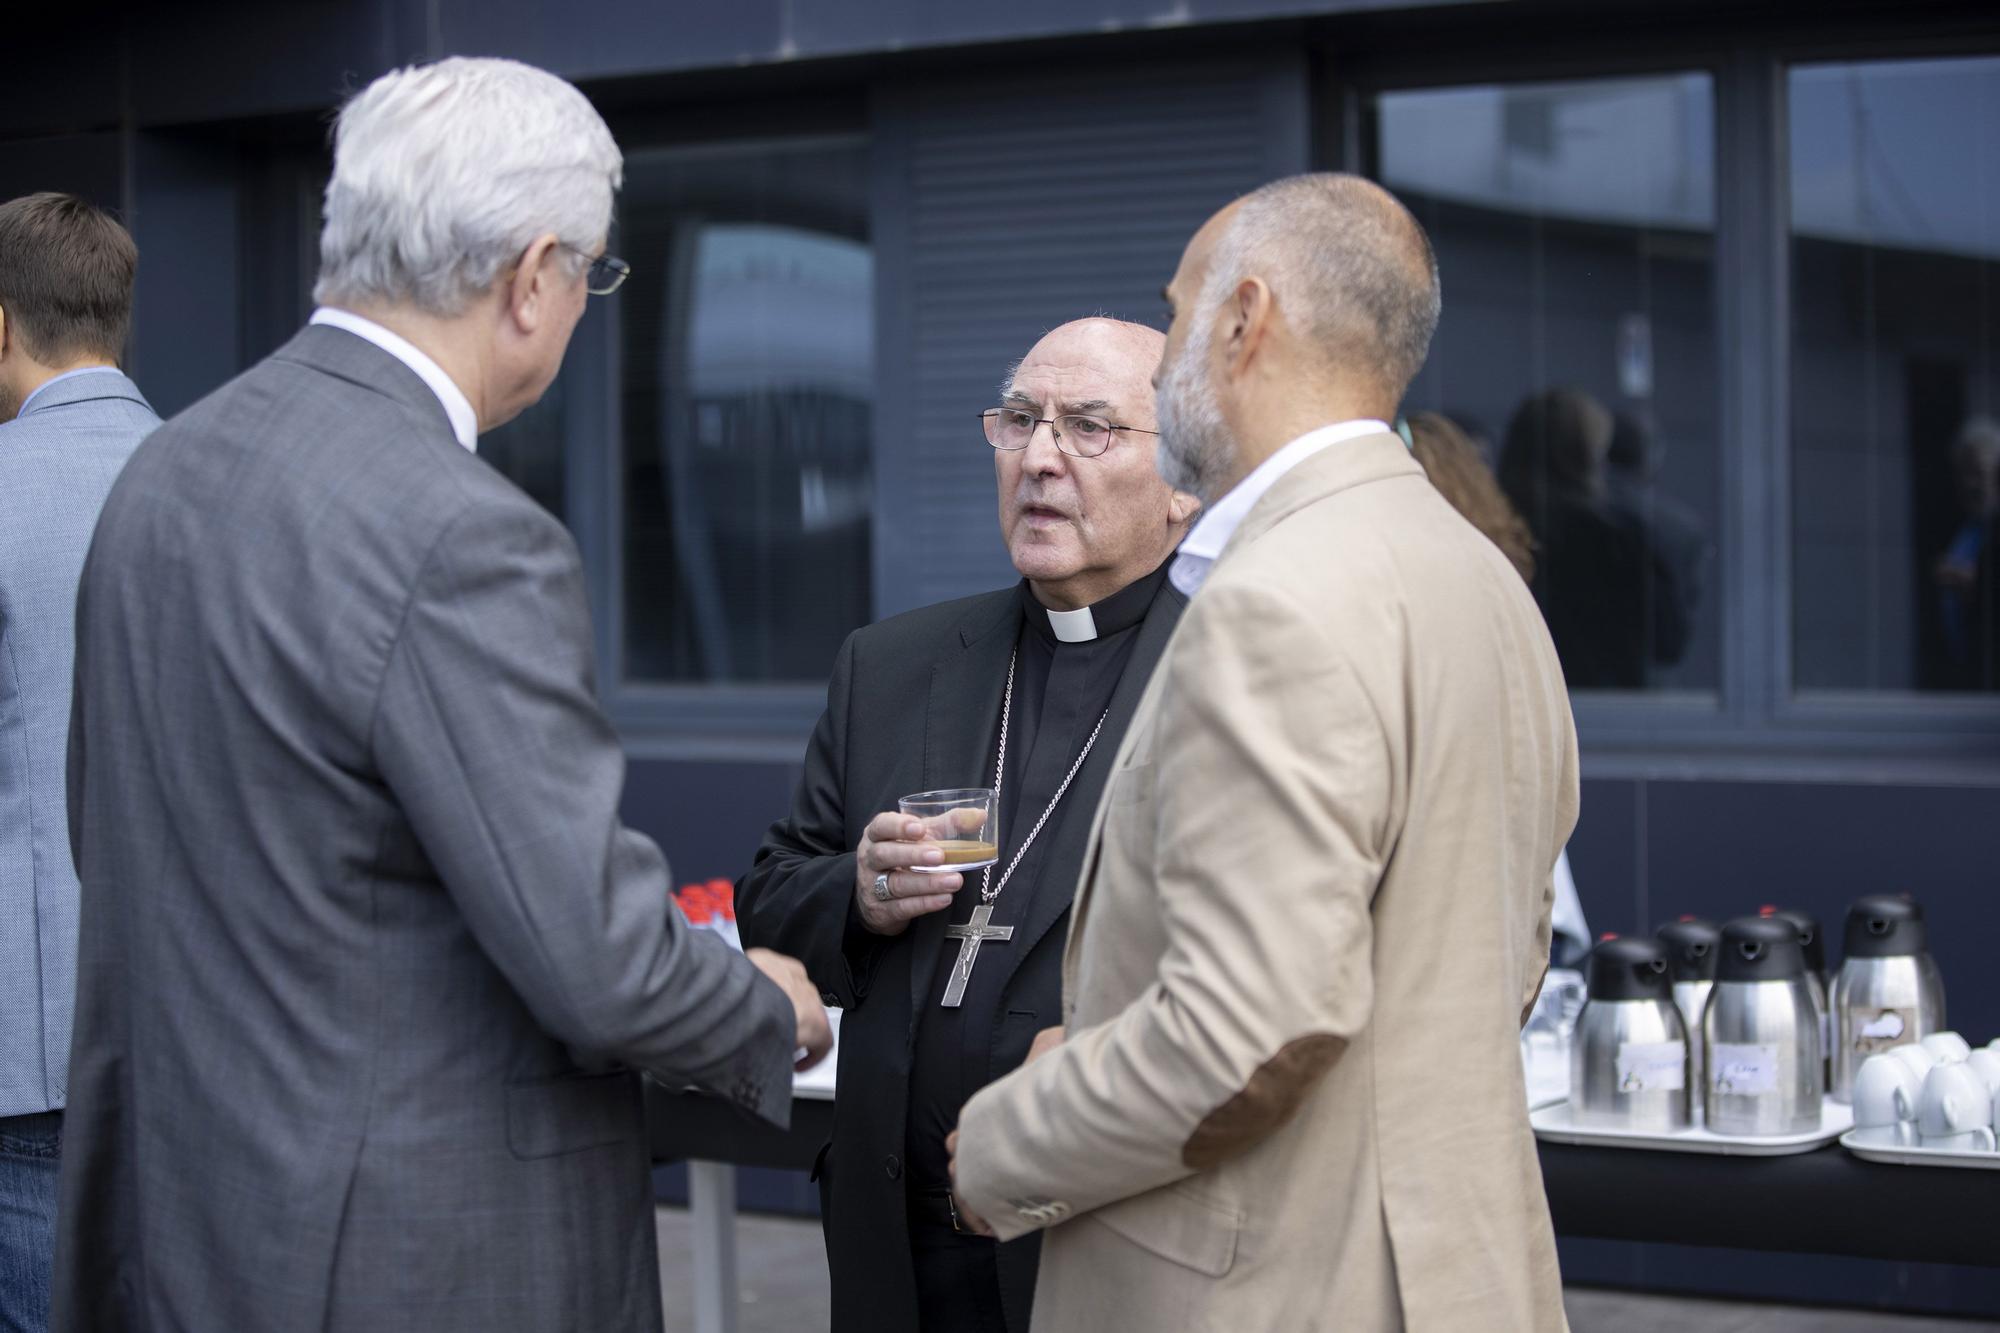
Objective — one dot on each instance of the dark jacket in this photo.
(914, 705)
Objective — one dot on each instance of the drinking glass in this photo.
(963, 821)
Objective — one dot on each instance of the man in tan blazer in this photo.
(1316, 901)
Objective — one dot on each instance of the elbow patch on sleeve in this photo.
(1266, 1102)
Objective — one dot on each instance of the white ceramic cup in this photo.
(1916, 1057)
(1986, 1063)
(1956, 1110)
(1947, 1047)
(1886, 1093)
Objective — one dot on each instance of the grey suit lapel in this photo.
(961, 726)
(1074, 822)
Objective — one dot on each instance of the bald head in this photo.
(1115, 354)
(1081, 528)
(1308, 302)
(1350, 270)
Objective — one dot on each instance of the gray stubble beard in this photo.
(1195, 448)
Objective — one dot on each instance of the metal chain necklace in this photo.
(979, 929)
(988, 890)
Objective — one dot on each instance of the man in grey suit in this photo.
(367, 956)
(68, 422)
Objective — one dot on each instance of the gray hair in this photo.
(1351, 269)
(444, 174)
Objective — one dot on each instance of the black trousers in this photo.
(958, 1276)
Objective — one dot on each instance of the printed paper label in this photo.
(1744, 1071)
(1876, 1030)
(1652, 1066)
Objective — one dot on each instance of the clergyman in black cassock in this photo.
(916, 703)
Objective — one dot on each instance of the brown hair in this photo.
(1462, 478)
(65, 278)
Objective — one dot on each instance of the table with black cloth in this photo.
(1823, 1202)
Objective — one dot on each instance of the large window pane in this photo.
(1574, 227)
(1895, 186)
(747, 340)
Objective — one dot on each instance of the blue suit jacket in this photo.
(57, 462)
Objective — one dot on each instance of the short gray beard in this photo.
(1195, 448)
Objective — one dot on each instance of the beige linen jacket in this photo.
(1314, 910)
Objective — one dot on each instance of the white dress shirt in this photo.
(1218, 522)
(457, 407)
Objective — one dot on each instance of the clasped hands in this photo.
(1045, 1041)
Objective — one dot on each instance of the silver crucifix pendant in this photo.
(972, 934)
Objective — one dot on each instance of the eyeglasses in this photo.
(607, 273)
(1076, 435)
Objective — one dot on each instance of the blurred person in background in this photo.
(1967, 609)
(69, 420)
(1609, 600)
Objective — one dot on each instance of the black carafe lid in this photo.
(1885, 926)
(1760, 948)
(1628, 969)
(1811, 940)
(1690, 945)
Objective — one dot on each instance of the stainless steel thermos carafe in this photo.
(1629, 1060)
(1760, 1034)
(1888, 991)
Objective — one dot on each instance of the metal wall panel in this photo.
(1005, 206)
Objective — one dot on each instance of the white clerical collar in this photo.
(457, 407)
(1077, 626)
(1219, 521)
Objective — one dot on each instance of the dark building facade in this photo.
(1722, 292)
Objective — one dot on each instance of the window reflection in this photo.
(1895, 190)
(748, 338)
(1574, 227)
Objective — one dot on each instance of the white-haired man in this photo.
(366, 954)
(1317, 900)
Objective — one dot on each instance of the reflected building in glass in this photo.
(748, 382)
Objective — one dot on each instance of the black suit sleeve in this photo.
(799, 895)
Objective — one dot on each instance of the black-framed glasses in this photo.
(607, 272)
(1078, 435)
